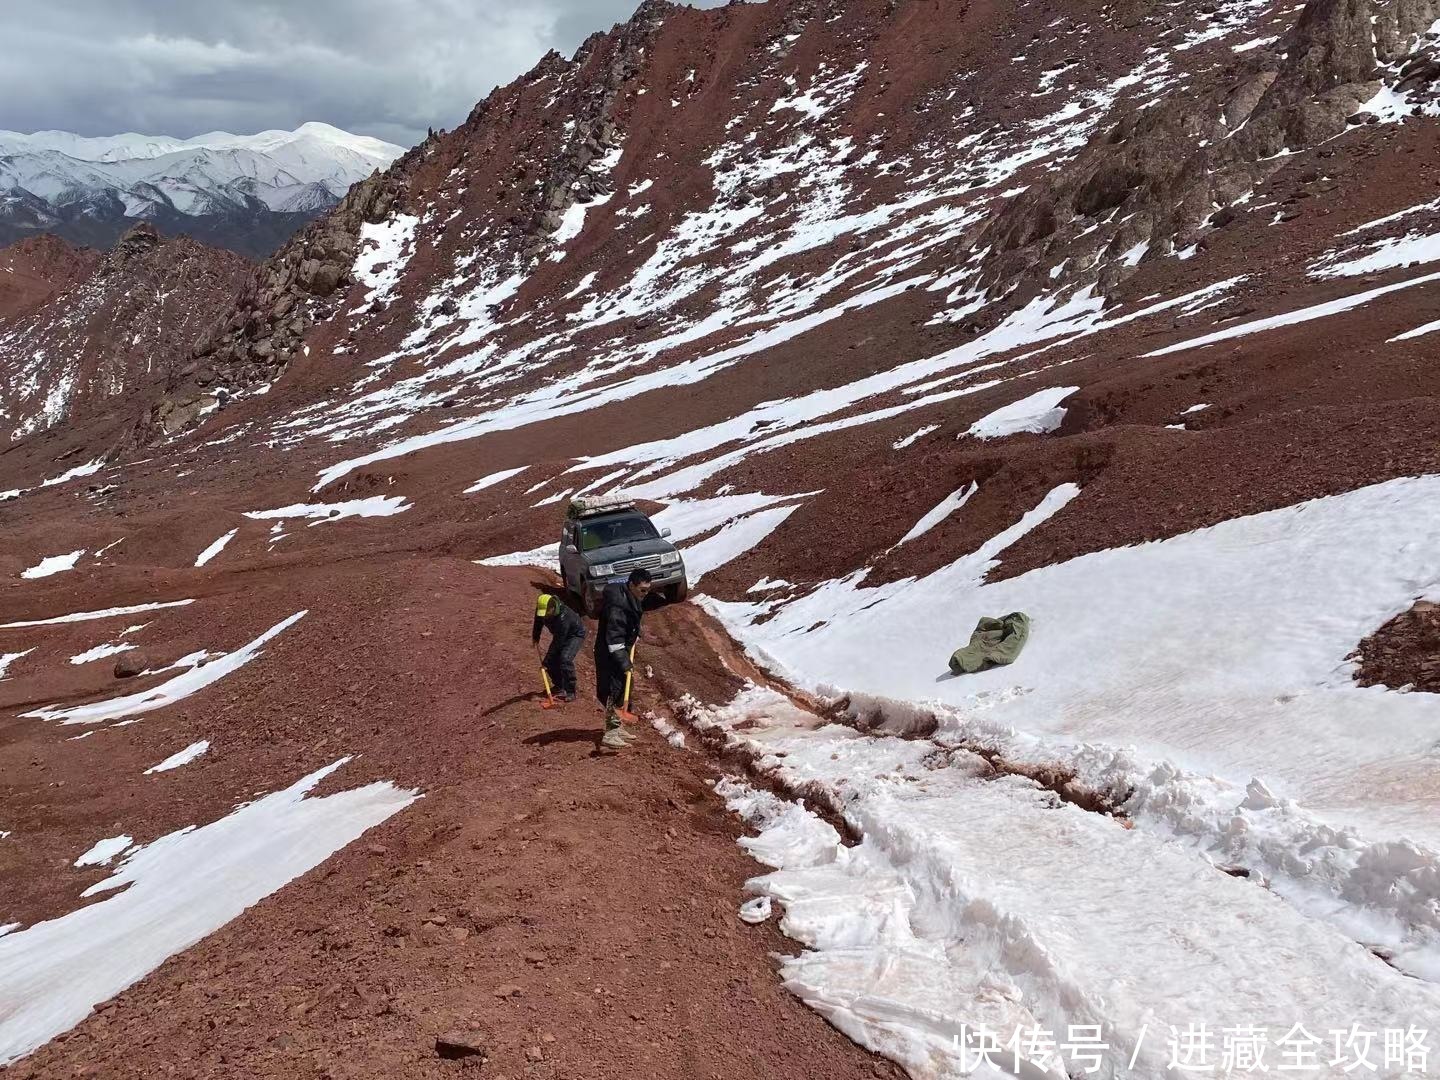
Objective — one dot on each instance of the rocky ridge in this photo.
(113, 326)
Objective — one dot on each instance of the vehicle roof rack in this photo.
(590, 505)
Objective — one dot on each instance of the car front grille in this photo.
(645, 562)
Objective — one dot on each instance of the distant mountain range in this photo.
(248, 193)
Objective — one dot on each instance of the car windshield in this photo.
(624, 530)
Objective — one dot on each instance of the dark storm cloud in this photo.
(388, 68)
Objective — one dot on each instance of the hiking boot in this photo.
(566, 695)
(626, 734)
(614, 739)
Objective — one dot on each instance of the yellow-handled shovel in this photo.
(624, 709)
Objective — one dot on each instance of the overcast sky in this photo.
(388, 68)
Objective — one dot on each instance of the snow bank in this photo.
(100, 652)
(920, 433)
(1292, 318)
(977, 903)
(54, 564)
(385, 249)
(181, 757)
(88, 469)
(180, 888)
(375, 506)
(545, 557)
(1420, 331)
(947, 506)
(1388, 254)
(734, 540)
(1039, 413)
(167, 693)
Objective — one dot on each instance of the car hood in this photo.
(617, 552)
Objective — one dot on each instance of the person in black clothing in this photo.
(623, 607)
(567, 633)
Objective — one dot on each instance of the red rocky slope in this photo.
(814, 250)
(703, 212)
(34, 270)
(79, 329)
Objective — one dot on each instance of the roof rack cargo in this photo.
(590, 505)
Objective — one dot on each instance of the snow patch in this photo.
(53, 564)
(1039, 413)
(374, 506)
(104, 851)
(215, 548)
(85, 616)
(167, 693)
(100, 652)
(947, 506)
(494, 478)
(181, 888)
(385, 249)
(181, 757)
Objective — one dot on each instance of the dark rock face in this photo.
(281, 301)
(595, 132)
(131, 664)
(1170, 166)
(1405, 652)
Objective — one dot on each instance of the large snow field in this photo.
(979, 904)
(1200, 683)
(168, 895)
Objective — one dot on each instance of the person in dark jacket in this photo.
(622, 608)
(567, 633)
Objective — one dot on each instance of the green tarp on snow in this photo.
(995, 641)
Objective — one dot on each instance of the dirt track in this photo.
(576, 909)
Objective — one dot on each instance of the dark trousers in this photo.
(609, 678)
(560, 662)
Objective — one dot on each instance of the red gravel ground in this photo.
(571, 910)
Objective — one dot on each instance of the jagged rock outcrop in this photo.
(1158, 176)
(594, 133)
(303, 282)
(280, 302)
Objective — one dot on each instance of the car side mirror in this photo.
(664, 532)
(571, 549)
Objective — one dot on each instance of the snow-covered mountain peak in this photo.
(130, 145)
(169, 180)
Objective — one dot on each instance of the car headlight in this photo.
(602, 569)
(669, 558)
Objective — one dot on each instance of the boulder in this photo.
(460, 1044)
(131, 664)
